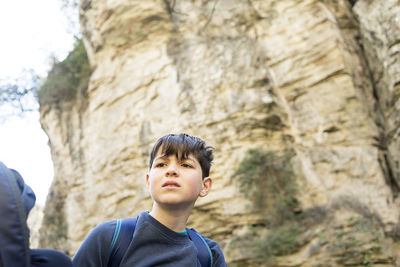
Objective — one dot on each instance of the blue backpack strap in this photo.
(122, 238)
(203, 250)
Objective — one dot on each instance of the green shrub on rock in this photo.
(67, 78)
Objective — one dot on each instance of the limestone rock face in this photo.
(34, 222)
(317, 78)
(380, 31)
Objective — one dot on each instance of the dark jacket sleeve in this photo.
(218, 256)
(94, 251)
(16, 200)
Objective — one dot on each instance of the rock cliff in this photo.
(318, 80)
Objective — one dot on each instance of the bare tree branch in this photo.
(18, 95)
(211, 14)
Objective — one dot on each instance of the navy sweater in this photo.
(153, 244)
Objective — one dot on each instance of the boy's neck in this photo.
(174, 220)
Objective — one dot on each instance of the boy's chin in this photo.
(174, 204)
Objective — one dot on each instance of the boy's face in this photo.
(174, 182)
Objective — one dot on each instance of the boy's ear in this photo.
(147, 179)
(207, 183)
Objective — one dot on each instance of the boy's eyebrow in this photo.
(161, 157)
(185, 159)
(165, 157)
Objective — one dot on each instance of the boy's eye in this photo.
(186, 165)
(161, 164)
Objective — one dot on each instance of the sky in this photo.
(32, 33)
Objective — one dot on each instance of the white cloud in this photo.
(31, 31)
(23, 147)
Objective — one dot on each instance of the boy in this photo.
(179, 170)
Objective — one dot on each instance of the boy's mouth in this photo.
(171, 184)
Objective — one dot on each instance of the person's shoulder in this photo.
(100, 235)
(216, 252)
(105, 228)
(94, 249)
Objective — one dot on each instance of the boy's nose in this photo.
(172, 170)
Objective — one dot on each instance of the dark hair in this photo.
(182, 146)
